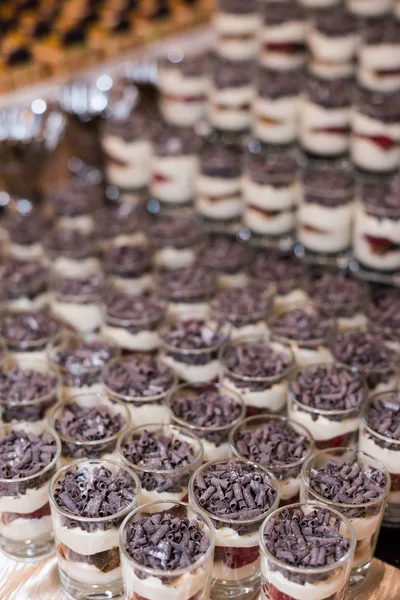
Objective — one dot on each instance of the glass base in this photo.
(27, 551)
(359, 575)
(77, 590)
(391, 517)
(223, 590)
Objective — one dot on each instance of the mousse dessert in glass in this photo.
(164, 457)
(24, 234)
(174, 239)
(227, 257)
(71, 251)
(120, 221)
(167, 548)
(379, 54)
(316, 567)
(237, 496)
(245, 308)
(29, 453)
(257, 370)
(383, 312)
(211, 410)
(76, 301)
(356, 485)
(89, 500)
(143, 384)
(191, 348)
(73, 205)
(380, 438)
(237, 25)
(127, 265)
(282, 36)
(277, 443)
(328, 399)
(25, 284)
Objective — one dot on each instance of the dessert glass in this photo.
(81, 311)
(192, 582)
(72, 252)
(227, 257)
(87, 548)
(174, 240)
(26, 531)
(127, 271)
(365, 517)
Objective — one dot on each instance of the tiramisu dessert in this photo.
(230, 94)
(227, 257)
(357, 486)
(380, 438)
(182, 84)
(283, 36)
(187, 290)
(29, 452)
(73, 205)
(143, 383)
(219, 183)
(306, 552)
(369, 9)
(132, 320)
(270, 193)
(122, 221)
(383, 312)
(164, 458)
(245, 308)
(375, 137)
(79, 362)
(275, 109)
(72, 251)
(379, 55)
(257, 370)
(367, 351)
(24, 234)
(237, 26)
(25, 284)
(376, 238)
(280, 445)
(174, 239)
(328, 401)
(341, 298)
(191, 348)
(76, 301)
(326, 210)
(127, 152)
(89, 501)
(128, 264)
(174, 165)
(237, 496)
(211, 411)
(305, 330)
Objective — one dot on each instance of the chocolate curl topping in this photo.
(206, 409)
(383, 416)
(241, 304)
(25, 385)
(126, 260)
(85, 355)
(24, 278)
(337, 295)
(28, 326)
(87, 423)
(158, 452)
(194, 335)
(301, 325)
(140, 308)
(80, 286)
(23, 453)
(138, 376)
(191, 282)
(365, 350)
(255, 359)
(384, 311)
(271, 267)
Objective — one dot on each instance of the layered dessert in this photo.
(164, 458)
(121, 221)
(127, 151)
(25, 284)
(73, 205)
(143, 383)
(369, 8)
(174, 165)
(245, 308)
(383, 312)
(26, 394)
(379, 55)
(328, 400)
(283, 36)
(72, 251)
(76, 301)
(174, 239)
(280, 445)
(127, 265)
(376, 240)
(24, 234)
(227, 257)
(341, 298)
(275, 109)
(237, 26)
(258, 371)
(219, 183)
(191, 349)
(230, 94)
(182, 84)
(211, 411)
(306, 331)
(270, 193)
(375, 134)
(326, 210)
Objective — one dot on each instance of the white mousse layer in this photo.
(143, 341)
(272, 399)
(135, 173)
(365, 152)
(320, 590)
(315, 122)
(21, 530)
(369, 8)
(323, 429)
(337, 49)
(193, 373)
(325, 228)
(287, 32)
(83, 317)
(152, 588)
(29, 502)
(389, 458)
(275, 120)
(174, 258)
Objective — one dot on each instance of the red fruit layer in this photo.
(381, 245)
(383, 141)
(235, 558)
(395, 479)
(387, 72)
(158, 178)
(252, 411)
(340, 441)
(44, 511)
(286, 47)
(332, 130)
(291, 500)
(269, 214)
(186, 99)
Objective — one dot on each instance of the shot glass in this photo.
(282, 580)
(26, 531)
(128, 265)
(145, 583)
(80, 310)
(87, 547)
(365, 517)
(72, 252)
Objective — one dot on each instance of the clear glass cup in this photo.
(74, 253)
(236, 569)
(87, 548)
(166, 484)
(26, 531)
(183, 304)
(133, 274)
(82, 311)
(280, 581)
(365, 518)
(144, 583)
(214, 439)
(74, 450)
(288, 474)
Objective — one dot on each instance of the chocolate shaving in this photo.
(127, 260)
(223, 253)
(270, 267)
(88, 423)
(383, 417)
(241, 306)
(384, 311)
(194, 335)
(175, 141)
(33, 326)
(144, 309)
(338, 296)
(24, 278)
(138, 376)
(76, 287)
(178, 231)
(20, 388)
(186, 284)
(302, 325)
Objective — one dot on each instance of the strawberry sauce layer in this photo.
(235, 558)
(380, 245)
(44, 511)
(384, 142)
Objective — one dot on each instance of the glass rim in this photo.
(364, 421)
(101, 462)
(312, 343)
(182, 295)
(306, 570)
(21, 345)
(226, 331)
(66, 337)
(176, 572)
(248, 317)
(124, 322)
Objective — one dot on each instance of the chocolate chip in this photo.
(138, 376)
(338, 296)
(24, 278)
(25, 327)
(241, 306)
(301, 324)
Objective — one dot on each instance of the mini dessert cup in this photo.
(121, 221)
(236, 569)
(174, 239)
(357, 486)
(379, 438)
(77, 301)
(379, 53)
(227, 257)
(283, 36)
(383, 312)
(24, 234)
(147, 581)
(245, 308)
(322, 576)
(25, 284)
(211, 410)
(89, 426)
(258, 370)
(237, 27)
(278, 444)
(128, 264)
(25, 524)
(73, 205)
(72, 251)
(164, 457)
(328, 399)
(86, 533)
